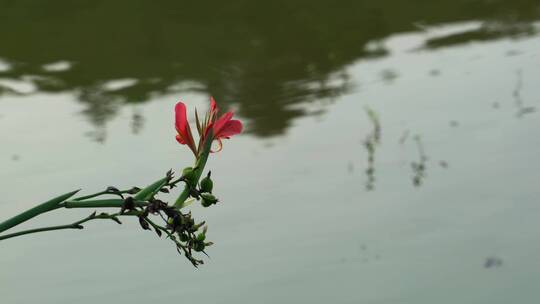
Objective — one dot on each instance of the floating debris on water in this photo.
(434, 72)
(493, 262)
(350, 167)
(389, 75)
(443, 164)
(525, 110)
(404, 137)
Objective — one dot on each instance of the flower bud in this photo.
(188, 174)
(206, 203)
(198, 246)
(208, 199)
(207, 184)
(184, 237)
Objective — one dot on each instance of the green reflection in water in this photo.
(262, 56)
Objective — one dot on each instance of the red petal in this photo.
(179, 139)
(231, 127)
(213, 105)
(181, 117)
(220, 122)
(182, 127)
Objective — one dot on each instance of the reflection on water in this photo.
(371, 142)
(264, 57)
(419, 167)
(486, 31)
(521, 108)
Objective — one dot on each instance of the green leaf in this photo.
(57, 200)
(151, 190)
(199, 127)
(37, 210)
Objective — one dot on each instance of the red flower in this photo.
(222, 127)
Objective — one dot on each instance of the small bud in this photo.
(184, 237)
(202, 236)
(199, 225)
(207, 184)
(198, 246)
(208, 199)
(112, 189)
(206, 203)
(188, 174)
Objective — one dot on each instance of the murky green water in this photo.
(444, 207)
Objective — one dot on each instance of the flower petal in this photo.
(179, 139)
(181, 117)
(213, 104)
(231, 127)
(182, 127)
(220, 122)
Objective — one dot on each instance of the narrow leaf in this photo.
(151, 190)
(33, 212)
(199, 128)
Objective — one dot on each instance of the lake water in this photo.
(443, 209)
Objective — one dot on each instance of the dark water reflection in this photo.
(264, 57)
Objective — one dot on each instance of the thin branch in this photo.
(104, 192)
(52, 228)
(75, 225)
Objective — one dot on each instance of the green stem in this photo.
(103, 203)
(75, 225)
(52, 228)
(82, 198)
(199, 168)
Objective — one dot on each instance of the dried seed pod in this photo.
(144, 224)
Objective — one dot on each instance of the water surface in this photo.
(432, 199)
